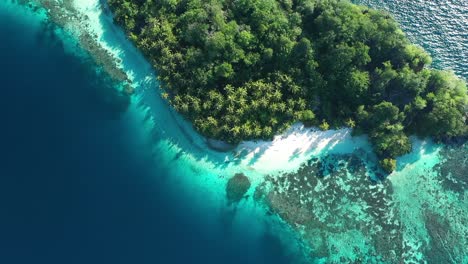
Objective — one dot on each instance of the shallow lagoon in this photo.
(191, 179)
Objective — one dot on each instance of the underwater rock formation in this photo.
(236, 187)
(347, 215)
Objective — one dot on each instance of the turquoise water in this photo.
(83, 182)
(338, 213)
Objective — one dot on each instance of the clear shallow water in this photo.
(151, 190)
(79, 184)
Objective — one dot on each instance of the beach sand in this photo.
(199, 174)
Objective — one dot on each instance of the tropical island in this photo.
(248, 69)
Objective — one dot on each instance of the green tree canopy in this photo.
(247, 69)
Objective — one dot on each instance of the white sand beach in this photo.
(286, 152)
(199, 174)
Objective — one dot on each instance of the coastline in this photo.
(202, 173)
(284, 153)
(198, 174)
(219, 145)
(297, 143)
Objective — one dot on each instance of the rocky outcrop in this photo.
(236, 187)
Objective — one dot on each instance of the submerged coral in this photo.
(236, 187)
(454, 171)
(342, 206)
(346, 216)
(64, 14)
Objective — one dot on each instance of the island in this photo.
(248, 69)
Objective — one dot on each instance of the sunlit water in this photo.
(441, 27)
(85, 185)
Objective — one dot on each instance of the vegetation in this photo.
(247, 69)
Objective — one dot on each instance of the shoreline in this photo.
(219, 145)
(285, 152)
(198, 175)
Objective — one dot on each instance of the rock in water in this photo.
(236, 187)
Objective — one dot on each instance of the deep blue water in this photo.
(77, 186)
(72, 187)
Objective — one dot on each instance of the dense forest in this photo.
(247, 69)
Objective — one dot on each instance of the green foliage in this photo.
(350, 123)
(388, 165)
(324, 125)
(247, 69)
(307, 117)
(445, 113)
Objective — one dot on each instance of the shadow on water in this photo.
(270, 242)
(259, 153)
(165, 117)
(295, 155)
(420, 147)
(72, 187)
(268, 246)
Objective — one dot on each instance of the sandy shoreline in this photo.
(199, 174)
(286, 152)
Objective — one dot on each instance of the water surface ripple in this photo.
(440, 26)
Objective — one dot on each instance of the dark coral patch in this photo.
(236, 187)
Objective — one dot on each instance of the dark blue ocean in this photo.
(78, 185)
(73, 189)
